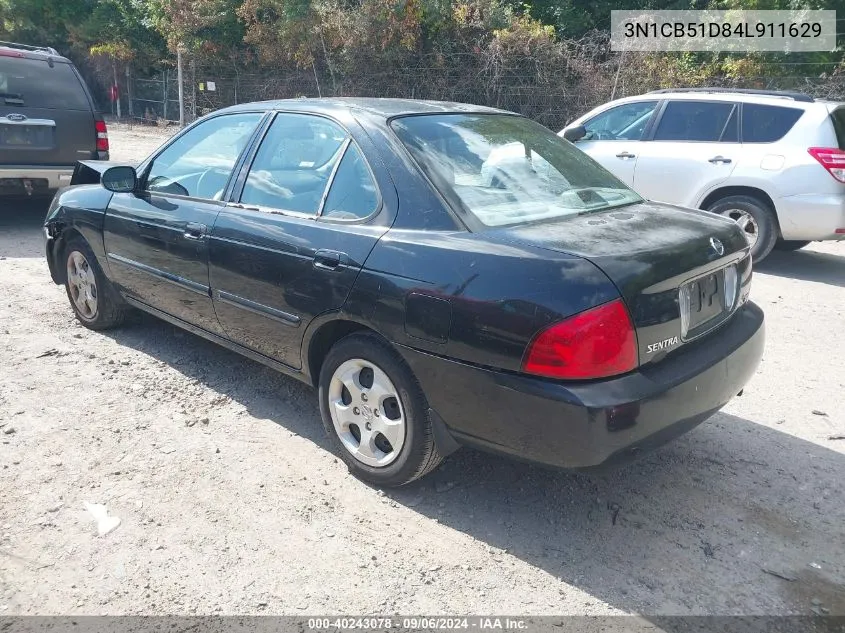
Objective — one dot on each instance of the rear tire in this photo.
(790, 245)
(755, 218)
(95, 302)
(375, 412)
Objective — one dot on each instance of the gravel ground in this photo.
(230, 502)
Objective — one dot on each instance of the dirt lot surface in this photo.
(230, 502)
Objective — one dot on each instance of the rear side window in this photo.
(766, 123)
(32, 83)
(353, 194)
(702, 121)
(294, 163)
(837, 117)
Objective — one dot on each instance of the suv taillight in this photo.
(832, 159)
(596, 343)
(102, 136)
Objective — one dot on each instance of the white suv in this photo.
(772, 161)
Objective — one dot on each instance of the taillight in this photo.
(7, 53)
(597, 343)
(832, 159)
(102, 136)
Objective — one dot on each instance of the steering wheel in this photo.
(206, 185)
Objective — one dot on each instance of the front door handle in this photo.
(625, 155)
(195, 231)
(329, 260)
(719, 159)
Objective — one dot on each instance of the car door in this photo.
(156, 240)
(614, 137)
(693, 148)
(296, 235)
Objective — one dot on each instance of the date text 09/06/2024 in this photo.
(417, 623)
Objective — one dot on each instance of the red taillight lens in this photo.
(102, 136)
(7, 53)
(597, 343)
(832, 159)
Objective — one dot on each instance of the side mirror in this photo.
(120, 179)
(575, 133)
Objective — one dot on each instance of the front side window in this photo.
(508, 170)
(198, 163)
(698, 121)
(294, 163)
(623, 123)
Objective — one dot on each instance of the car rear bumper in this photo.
(812, 216)
(581, 425)
(33, 181)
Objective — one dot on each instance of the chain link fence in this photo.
(552, 90)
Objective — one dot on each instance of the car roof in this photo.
(42, 55)
(379, 107)
(744, 97)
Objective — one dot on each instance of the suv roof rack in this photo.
(26, 47)
(784, 94)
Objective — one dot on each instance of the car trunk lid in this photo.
(652, 252)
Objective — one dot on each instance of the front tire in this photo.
(790, 245)
(94, 300)
(756, 220)
(375, 412)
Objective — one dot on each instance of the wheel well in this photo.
(327, 335)
(751, 192)
(65, 236)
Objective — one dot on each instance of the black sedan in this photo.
(444, 274)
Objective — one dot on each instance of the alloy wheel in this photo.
(82, 285)
(746, 222)
(367, 412)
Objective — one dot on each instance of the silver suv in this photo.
(772, 161)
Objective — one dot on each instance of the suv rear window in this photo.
(766, 123)
(32, 83)
(837, 117)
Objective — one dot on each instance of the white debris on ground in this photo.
(105, 523)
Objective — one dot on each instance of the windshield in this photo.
(508, 170)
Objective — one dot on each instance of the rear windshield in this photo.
(767, 123)
(508, 170)
(837, 117)
(31, 83)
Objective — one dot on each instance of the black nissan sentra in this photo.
(444, 274)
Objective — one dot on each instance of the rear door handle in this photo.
(719, 159)
(329, 260)
(625, 155)
(195, 231)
